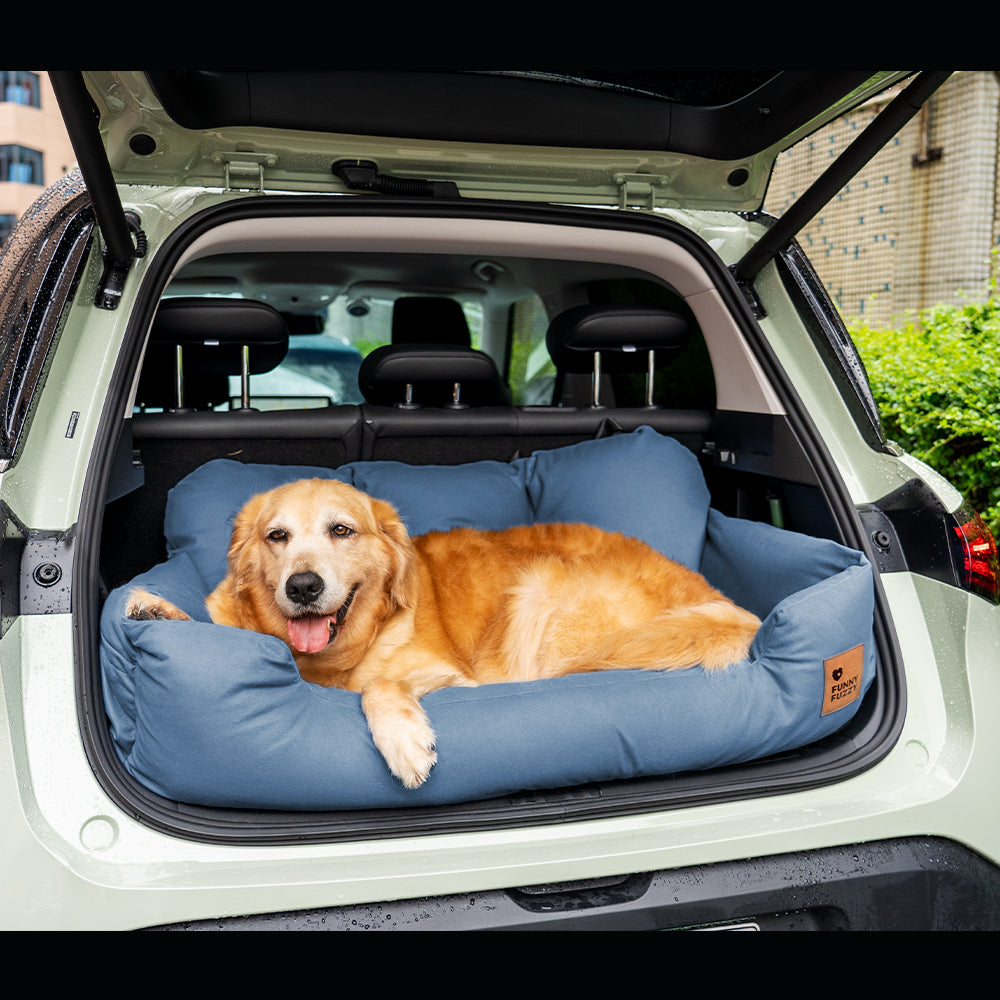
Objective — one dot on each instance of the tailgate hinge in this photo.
(244, 171)
(636, 186)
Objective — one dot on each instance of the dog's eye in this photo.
(341, 530)
(277, 535)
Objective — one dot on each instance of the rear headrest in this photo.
(221, 328)
(421, 320)
(623, 334)
(431, 375)
(195, 344)
(615, 339)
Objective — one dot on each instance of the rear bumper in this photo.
(902, 885)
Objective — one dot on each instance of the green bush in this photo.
(936, 380)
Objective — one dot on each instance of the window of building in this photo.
(20, 87)
(21, 165)
(7, 223)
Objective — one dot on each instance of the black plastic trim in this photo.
(502, 107)
(46, 572)
(13, 535)
(907, 884)
(912, 531)
(864, 742)
(829, 334)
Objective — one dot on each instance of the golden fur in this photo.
(333, 571)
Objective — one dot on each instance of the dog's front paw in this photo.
(144, 606)
(410, 755)
(401, 731)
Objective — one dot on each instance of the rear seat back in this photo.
(159, 449)
(442, 437)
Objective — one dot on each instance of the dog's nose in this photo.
(304, 588)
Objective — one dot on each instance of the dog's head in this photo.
(324, 557)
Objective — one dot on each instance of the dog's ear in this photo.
(403, 574)
(240, 554)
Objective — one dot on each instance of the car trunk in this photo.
(761, 456)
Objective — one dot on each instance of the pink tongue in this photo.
(309, 635)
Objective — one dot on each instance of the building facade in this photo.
(34, 148)
(918, 225)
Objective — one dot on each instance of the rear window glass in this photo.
(333, 329)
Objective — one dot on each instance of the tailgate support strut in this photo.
(896, 114)
(116, 226)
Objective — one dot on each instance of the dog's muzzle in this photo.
(310, 633)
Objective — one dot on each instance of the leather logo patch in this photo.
(843, 679)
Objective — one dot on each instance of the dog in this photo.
(363, 606)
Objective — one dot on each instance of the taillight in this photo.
(912, 531)
(979, 565)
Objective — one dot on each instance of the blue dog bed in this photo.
(217, 716)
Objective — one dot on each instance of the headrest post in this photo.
(179, 375)
(456, 398)
(408, 403)
(651, 362)
(596, 390)
(245, 376)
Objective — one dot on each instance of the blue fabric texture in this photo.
(217, 716)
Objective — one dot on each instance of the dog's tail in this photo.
(714, 635)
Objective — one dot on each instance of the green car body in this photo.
(896, 831)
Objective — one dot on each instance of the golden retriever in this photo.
(365, 607)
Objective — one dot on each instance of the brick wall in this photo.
(918, 224)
